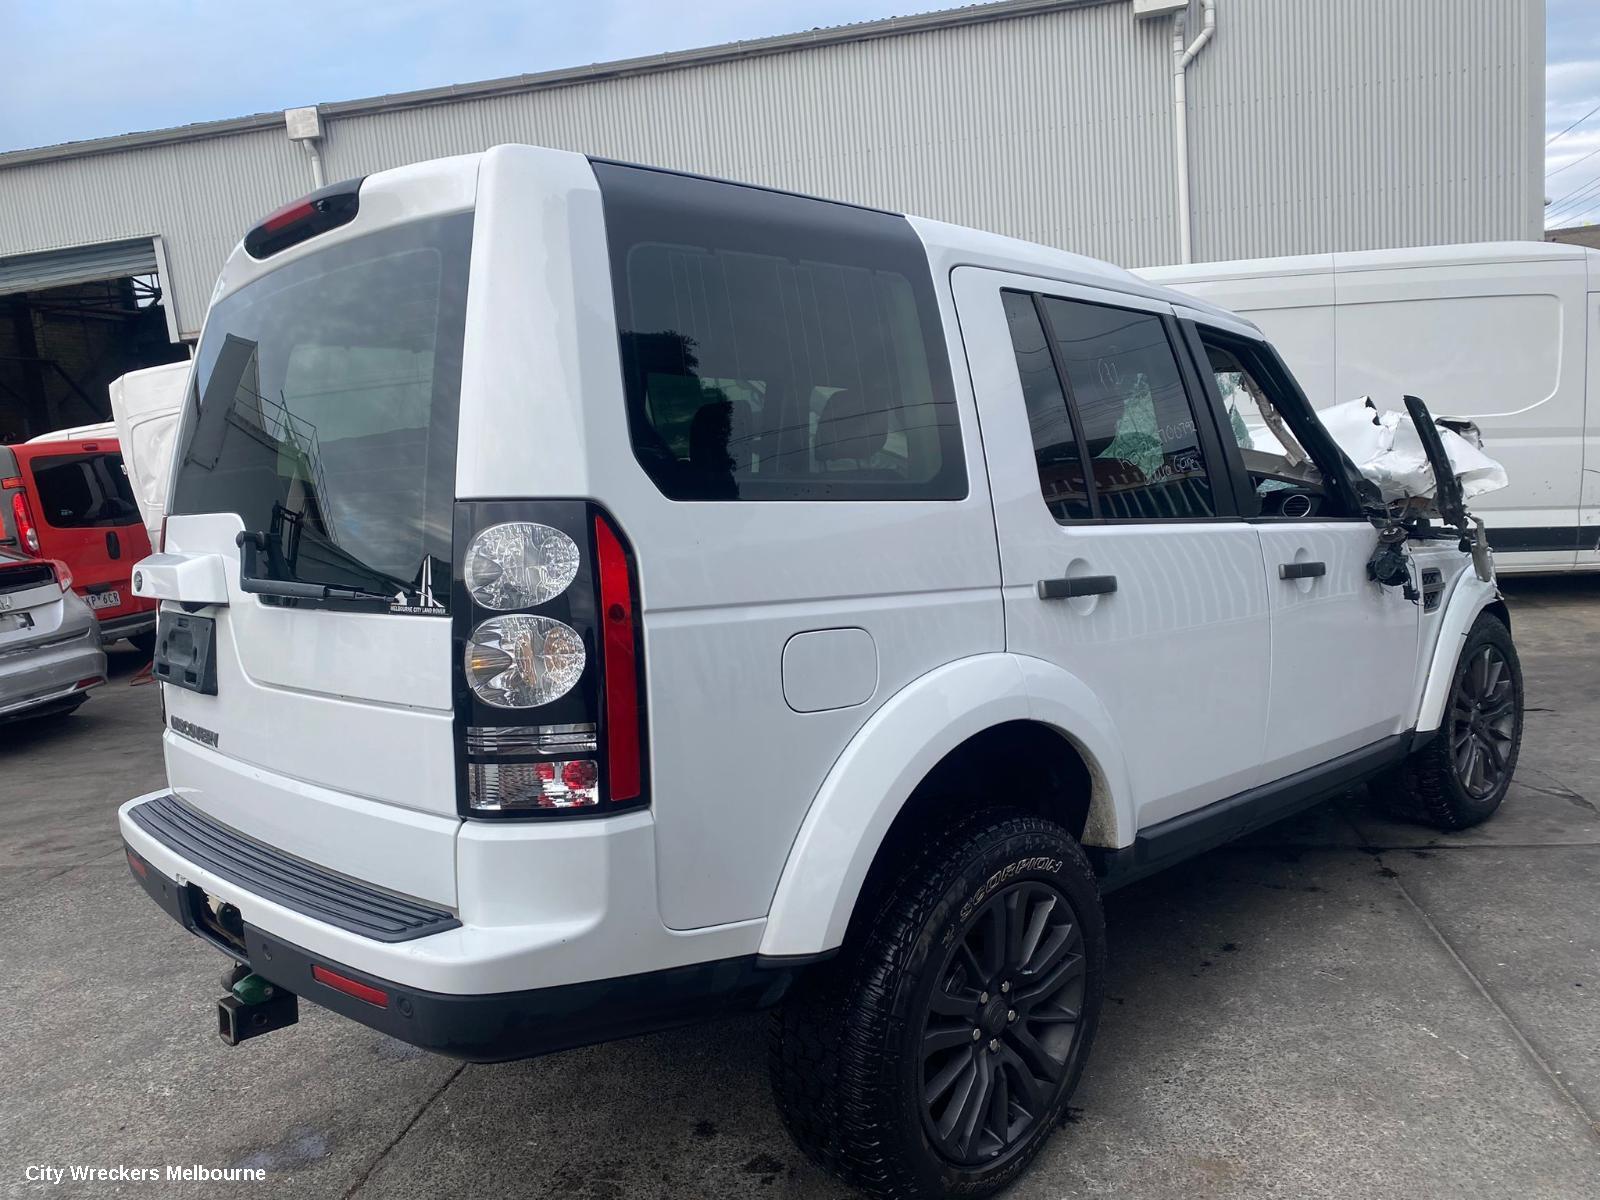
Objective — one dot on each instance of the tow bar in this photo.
(253, 1007)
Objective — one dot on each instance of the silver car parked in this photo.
(50, 653)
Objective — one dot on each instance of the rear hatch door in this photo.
(321, 422)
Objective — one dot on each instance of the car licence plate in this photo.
(103, 599)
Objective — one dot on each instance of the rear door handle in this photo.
(1302, 570)
(113, 544)
(1082, 585)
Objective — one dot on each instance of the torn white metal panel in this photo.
(1386, 449)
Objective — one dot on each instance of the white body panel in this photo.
(1502, 334)
(146, 406)
(806, 662)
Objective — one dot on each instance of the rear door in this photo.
(86, 516)
(323, 421)
(1123, 558)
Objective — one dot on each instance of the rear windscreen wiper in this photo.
(251, 545)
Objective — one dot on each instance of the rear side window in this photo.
(1055, 441)
(83, 491)
(1138, 427)
(776, 347)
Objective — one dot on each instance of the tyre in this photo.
(934, 1055)
(144, 643)
(1460, 777)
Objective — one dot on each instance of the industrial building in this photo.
(1131, 130)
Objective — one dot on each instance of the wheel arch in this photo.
(1469, 599)
(1039, 727)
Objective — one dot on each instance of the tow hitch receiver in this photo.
(253, 1007)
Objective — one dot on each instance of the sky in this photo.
(75, 69)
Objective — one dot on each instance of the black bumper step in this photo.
(295, 884)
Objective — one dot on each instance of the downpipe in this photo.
(1182, 56)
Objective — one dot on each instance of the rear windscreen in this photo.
(327, 396)
(83, 491)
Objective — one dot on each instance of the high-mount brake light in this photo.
(324, 209)
(550, 708)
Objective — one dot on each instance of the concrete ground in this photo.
(1342, 1007)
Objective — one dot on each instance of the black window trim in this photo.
(1224, 480)
(1296, 409)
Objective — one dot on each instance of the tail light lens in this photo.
(63, 574)
(549, 700)
(22, 518)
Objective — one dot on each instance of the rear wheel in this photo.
(1460, 777)
(936, 1053)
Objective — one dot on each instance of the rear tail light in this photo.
(22, 518)
(63, 574)
(550, 718)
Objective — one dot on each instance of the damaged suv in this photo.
(596, 598)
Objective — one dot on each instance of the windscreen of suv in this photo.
(326, 397)
(83, 491)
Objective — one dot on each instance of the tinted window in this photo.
(327, 396)
(776, 347)
(76, 491)
(1055, 444)
(1138, 427)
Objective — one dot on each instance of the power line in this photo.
(1573, 163)
(1578, 202)
(1560, 200)
(1575, 124)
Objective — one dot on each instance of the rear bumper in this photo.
(175, 862)
(39, 677)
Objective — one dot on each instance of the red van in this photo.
(70, 499)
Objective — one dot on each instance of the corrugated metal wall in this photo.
(1315, 126)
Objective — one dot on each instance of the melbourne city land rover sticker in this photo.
(421, 602)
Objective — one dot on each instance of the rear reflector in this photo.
(617, 620)
(350, 987)
(140, 867)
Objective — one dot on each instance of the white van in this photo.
(596, 598)
(1504, 334)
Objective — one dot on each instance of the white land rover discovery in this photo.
(596, 598)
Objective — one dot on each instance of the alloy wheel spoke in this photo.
(999, 1119)
(1068, 968)
(960, 1096)
(940, 1083)
(946, 1004)
(946, 1037)
(1037, 922)
(1034, 1056)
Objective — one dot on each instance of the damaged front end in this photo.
(1418, 480)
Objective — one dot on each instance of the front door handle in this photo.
(1082, 585)
(1302, 570)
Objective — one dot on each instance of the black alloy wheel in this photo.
(1002, 1023)
(1483, 718)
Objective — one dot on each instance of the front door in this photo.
(1344, 648)
(1123, 557)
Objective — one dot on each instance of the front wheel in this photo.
(1460, 777)
(935, 1054)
